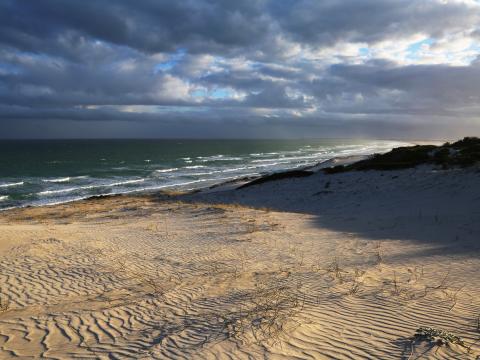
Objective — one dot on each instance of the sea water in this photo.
(42, 172)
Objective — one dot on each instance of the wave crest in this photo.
(20, 183)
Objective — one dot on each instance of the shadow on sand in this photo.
(440, 209)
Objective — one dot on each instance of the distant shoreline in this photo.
(353, 247)
(42, 173)
(220, 186)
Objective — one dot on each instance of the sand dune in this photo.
(299, 270)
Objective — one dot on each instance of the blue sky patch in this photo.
(173, 60)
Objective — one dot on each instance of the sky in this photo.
(239, 69)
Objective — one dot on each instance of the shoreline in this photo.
(72, 182)
(349, 263)
(227, 184)
(339, 160)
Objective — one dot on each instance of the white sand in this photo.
(349, 270)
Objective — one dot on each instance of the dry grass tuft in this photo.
(4, 304)
(266, 314)
(378, 254)
(334, 268)
(437, 338)
(356, 283)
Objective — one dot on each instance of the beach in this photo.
(240, 180)
(324, 266)
(37, 173)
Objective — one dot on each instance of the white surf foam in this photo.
(219, 158)
(126, 182)
(64, 179)
(86, 187)
(20, 183)
(166, 170)
(66, 190)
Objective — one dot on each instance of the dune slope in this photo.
(343, 266)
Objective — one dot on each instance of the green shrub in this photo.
(463, 153)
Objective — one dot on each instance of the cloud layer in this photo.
(253, 68)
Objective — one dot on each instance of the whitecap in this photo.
(49, 192)
(59, 180)
(3, 198)
(66, 190)
(86, 187)
(166, 170)
(220, 158)
(126, 182)
(262, 160)
(12, 184)
(221, 171)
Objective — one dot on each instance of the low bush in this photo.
(463, 153)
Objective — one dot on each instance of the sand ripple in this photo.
(124, 286)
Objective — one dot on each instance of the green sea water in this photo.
(40, 172)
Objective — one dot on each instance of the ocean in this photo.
(42, 172)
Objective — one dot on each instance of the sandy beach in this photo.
(240, 180)
(340, 266)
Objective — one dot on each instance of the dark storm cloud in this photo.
(295, 64)
(147, 25)
(330, 21)
(415, 89)
(216, 26)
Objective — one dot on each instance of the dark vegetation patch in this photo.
(463, 153)
(278, 176)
